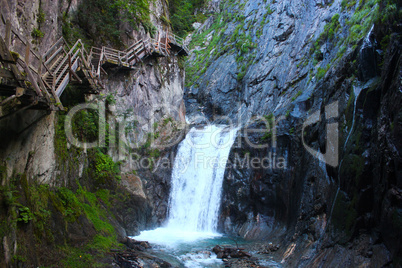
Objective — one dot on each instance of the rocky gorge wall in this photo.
(38, 161)
(272, 66)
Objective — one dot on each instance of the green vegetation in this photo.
(40, 19)
(36, 33)
(49, 213)
(270, 120)
(99, 21)
(321, 72)
(105, 168)
(389, 15)
(40, 16)
(361, 21)
(264, 21)
(346, 34)
(85, 125)
(348, 4)
(292, 130)
(297, 95)
(238, 43)
(345, 214)
(328, 35)
(110, 99)
(182, 15)
(25, 214)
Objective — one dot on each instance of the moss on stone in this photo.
(344, 214)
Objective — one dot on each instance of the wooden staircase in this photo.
(39, 81)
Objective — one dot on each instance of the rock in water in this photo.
(228, 252)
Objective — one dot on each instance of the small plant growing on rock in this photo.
(25, 214)
(36, 33)
(41, 16)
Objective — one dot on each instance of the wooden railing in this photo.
(49, 75)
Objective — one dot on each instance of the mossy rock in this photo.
(15, 55)
(344, 215)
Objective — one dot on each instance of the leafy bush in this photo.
(100, 20)
(41, 16)
(36, 33)
(25, 214)
(348, 4)
(182, 15)
(85, 125)
(106, 169)
(67, 203)
(110, 99)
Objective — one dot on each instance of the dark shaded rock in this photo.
(284, 36)
(135, 259)
(269, 248)
(137, 245)
(227, 252)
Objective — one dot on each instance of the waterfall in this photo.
(356, 92)
(197, 179)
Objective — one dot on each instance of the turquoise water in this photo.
(198, 253)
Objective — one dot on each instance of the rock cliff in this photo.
(295, 75)
(38, 161)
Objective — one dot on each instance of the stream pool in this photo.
(194, 249)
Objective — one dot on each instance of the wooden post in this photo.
(56, 98)
(41, 84)
(40, 66)
(27, 51)
(69, 66)
(8, 34)
(32, 80)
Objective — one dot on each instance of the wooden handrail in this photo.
(31, 77)
(61, 40)
(51, 58)
(92, 60)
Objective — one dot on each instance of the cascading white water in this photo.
(196, 186)
(197, 179)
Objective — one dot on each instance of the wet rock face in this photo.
(251, 190)
(150, 93)
(309, 202)
(153, 91)
(282, 44)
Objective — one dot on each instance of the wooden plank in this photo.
(57, 99)
(33, 69)
(60, 65)
(62, 74)
(73, 68)
(27, 51)
(135, 44)
(6, 55)
(50, 50)
(44, 89)
(31, 79)
(51, 58)
(40, 66)
(62, 86)
(8, 99)
(69, 66)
